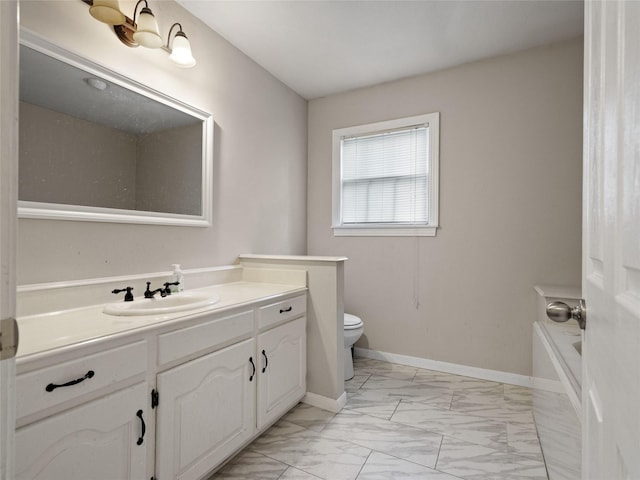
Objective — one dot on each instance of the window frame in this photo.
(388, 229)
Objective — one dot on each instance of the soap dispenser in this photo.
(179, 276)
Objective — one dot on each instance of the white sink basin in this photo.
(178, 302)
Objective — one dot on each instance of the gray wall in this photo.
(68, 160)
(167, 177)
(259, 160)
(510, 208)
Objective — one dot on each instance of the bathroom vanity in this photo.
(157, 396)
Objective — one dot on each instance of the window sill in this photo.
(384, 231)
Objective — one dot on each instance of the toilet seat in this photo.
(351, 322)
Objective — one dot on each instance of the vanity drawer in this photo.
(207, 335)
(275, 313)
(52, 386)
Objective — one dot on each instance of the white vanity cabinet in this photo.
(85, 418)
(211, 406)
(103, 439)
(174, 401)
(282, 351)
(282, 370)
(206, 411)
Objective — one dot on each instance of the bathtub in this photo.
(557, 378)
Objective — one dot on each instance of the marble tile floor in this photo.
(402, 423)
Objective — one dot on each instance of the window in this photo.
(385, 178)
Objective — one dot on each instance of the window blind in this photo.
(384, 177)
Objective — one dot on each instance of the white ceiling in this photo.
(323, 47)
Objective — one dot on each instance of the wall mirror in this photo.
(97, 146)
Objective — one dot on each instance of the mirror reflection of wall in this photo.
(103, 145)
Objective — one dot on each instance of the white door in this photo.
(611, 242)
(8, 197)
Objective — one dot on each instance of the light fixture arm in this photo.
(135, 10)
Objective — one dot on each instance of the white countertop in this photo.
(55, 330)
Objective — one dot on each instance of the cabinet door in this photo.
(206, 411)
(282, 355)
(94, 441)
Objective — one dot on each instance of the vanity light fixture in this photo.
(144, 31)
(181, 49)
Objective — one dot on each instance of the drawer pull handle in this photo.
(254, 369)
(285, 310)
(266, 361)
(144, 427)
(52, 386)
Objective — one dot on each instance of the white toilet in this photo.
(353, 329)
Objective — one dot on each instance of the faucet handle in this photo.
(167, 290)
(147, 292)
(128, 297)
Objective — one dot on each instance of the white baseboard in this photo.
(482, 373)
(325, 403)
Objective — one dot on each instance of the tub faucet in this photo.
(150, 293)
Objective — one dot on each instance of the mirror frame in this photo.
(55, 211)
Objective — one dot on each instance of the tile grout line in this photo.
(362, 466)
